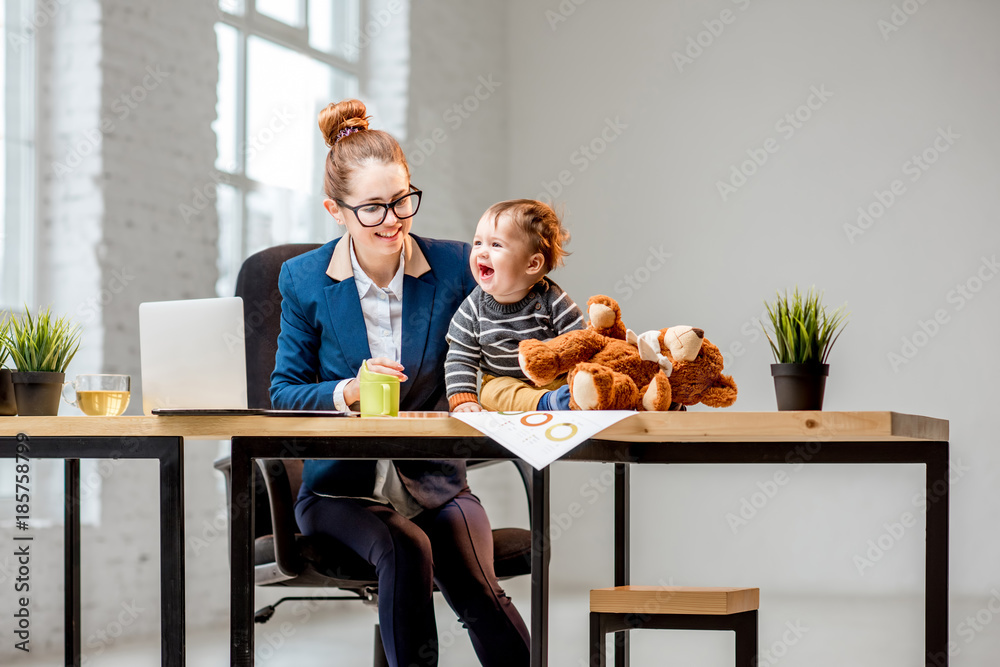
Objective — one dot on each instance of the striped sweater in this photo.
(484, 334)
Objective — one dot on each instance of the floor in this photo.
(794, 632)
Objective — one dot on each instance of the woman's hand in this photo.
(468, 406)
(384, 365)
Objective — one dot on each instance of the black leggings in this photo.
(451, 546)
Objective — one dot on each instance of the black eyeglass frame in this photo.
(385, 207)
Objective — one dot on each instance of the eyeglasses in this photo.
(373, 215)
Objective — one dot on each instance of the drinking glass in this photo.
(100, 395)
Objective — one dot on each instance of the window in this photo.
(19, 22)
(17, 148)
(280, 63)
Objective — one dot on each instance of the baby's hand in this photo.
(469, 406)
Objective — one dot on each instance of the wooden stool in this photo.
(675, 608)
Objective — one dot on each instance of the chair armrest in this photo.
(524, 470)
(225, 466)
(279, 518)
(279, 492)
(482, 463)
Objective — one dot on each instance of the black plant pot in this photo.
(38, 393)
(800, 386)
(8, 406)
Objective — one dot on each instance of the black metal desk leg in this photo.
(746, 639)
(172, 652)
(541, 546)
(240, 558)
(598, 642)
(936, 567)
(623, 479)
(71, 564)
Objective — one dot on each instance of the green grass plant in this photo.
(4, 328)
(41, 343)
(803, 332)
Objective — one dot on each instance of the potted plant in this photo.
(41, 347)
(802, 334)
(8, 406)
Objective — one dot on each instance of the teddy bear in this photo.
(611, 368)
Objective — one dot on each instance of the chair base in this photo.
(264, 614)
(744, 624)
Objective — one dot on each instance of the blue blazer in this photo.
(323, 340)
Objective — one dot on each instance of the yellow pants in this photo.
(506, 394)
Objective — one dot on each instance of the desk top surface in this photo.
(694, 426)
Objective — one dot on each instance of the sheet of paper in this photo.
(542, 437)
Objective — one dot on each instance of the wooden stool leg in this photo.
(598, 643)
(746, 639)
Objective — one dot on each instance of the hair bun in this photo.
(341, 116)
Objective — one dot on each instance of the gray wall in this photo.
(652, 187)
(457, 142)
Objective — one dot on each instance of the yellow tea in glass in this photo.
(102, 403)
(99, 395)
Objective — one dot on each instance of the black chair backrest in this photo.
(257, 284)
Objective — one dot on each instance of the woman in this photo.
(383, 295)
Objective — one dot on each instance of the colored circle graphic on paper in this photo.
(572, 431)
(546, 418)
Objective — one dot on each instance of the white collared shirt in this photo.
(382, 308)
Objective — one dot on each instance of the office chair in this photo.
(283, 556)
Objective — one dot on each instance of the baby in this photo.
(517, 244)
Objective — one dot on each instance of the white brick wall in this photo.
(127, 97)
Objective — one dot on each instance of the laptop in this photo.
(192, 356)
(193, 360)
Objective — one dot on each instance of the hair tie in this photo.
(346, 131)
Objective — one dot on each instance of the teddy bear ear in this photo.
(604, 301)
(601, 316)
(722, 394)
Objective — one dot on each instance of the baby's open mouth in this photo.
(485, 271)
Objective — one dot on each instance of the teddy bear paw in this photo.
(595, 387)
(586, 390)
(658, 394)
(538, 362)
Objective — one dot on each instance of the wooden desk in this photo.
(691, 437)
(642, 427)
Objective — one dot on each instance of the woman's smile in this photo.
(389, 234)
